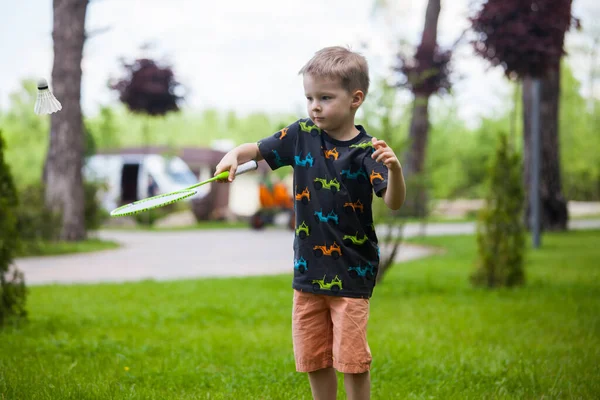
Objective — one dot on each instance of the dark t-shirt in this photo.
(335, 245)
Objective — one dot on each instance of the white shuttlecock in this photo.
(46, 103)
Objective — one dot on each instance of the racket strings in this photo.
(152, 202)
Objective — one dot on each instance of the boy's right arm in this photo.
(277, 150)
(239, 155)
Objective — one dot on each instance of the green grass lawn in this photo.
(431, 334)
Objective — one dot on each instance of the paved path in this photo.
(172, 255)
(193, 254)
(467, 228)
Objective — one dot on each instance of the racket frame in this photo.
(189, 191)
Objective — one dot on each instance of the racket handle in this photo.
(245, 167)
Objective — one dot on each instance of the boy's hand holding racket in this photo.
(229, 162)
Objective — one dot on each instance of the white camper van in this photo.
(131, 177)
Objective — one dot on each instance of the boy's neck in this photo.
(345, 132)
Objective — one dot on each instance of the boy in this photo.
(337, 167)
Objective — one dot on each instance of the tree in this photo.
(526, 37)
(63, 170)
(424, 74)
(578, 137)
(106, 129)
(26, 135)
(500, 231)
(12, 283)
(149, 89)
(384, 119)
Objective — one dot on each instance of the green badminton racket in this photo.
(169, 198)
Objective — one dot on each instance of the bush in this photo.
(95, 214)
(12, 284)
(500, 229)
(149, 218)
(37, 224)
(35, 221)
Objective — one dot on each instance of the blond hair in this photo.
(340, 63)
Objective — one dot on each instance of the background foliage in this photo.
(500, 228)
(455, 155)
(13, 293)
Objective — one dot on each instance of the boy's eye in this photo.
(326, 98)
(309, 98)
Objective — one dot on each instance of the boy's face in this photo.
(329, 105)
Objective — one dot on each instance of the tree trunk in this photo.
(414, 166)
(432, 15)
(63, 172)
(553, 207)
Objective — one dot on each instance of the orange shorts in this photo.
(330, 331)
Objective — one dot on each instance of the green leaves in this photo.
(12, 285)
(500, 230)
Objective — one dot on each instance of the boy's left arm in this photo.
(395, 193)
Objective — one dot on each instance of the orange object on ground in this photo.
(281, 196)
(277, 196)
(267, 199)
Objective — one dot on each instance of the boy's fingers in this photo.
(385, 156)
(219, 169)
(377, 153)
(232, 173)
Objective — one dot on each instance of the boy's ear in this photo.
(358, 97)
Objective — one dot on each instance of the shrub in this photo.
(35, 221)
(500, 229)
(12, 283)
(37, 224)
(149, 218)
(95, 214)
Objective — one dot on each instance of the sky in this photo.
(244, 55)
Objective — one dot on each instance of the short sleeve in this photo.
(278, 149)
(377, 173)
